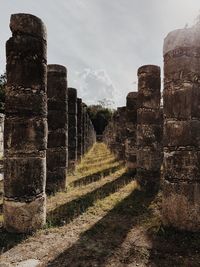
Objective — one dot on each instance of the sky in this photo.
(102, 42)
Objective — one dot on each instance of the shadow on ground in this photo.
(171, 247)
(9, 240)
(95, 176)
(68, 211)
(97, 244)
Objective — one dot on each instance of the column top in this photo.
(57, 68)
(22, 23)
(131, 99)
(132, 95)
(188, 37)
(79, 100)
(150, 69)
(72, 92)
(121, 109)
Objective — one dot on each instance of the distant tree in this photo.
(105, 103)
(100, 116)
(2, 92)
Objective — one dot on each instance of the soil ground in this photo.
(102, 219)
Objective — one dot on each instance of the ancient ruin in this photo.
(149, 128)
(25, 138)
(57, 151)
(128, 196)
(72, 129)
(181, 186)
(131, 132)
(115, 133)
(79, 128)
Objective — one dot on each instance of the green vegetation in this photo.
(100, 115)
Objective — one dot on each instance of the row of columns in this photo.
(169, 137)
(44, 121)
(139, 125)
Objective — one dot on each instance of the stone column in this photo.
(72, 129)
(2, 116)
(181, 187)
(131, 131)
(83, 127)
(25, 136)
(86, 131)
(149, 129)
(79, 128)
(121, 132)
(57, 152)
(92, 134)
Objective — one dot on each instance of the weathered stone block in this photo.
(149, 116)
(17, 99)
(24, 217)
(20, 24)
(58, 138)
(23, 72)
(57, 119)
(148, 135)
(56, 157)
(180, 205)
(57, 179)
(149, 159)
(182, 133)
(27, 135)
(28, 48)
(23, 180)
(182, 165)
(184, 103)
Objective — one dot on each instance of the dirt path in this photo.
(102, 220)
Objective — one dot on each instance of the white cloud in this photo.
(117, 36)
(94, 85)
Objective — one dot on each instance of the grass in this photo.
(100, 217)
(99, 176)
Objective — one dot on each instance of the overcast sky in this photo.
(102, 42)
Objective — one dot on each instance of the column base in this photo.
(181, 205)
(24, 217)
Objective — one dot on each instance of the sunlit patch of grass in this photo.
(96, 160)
(76, 192)
(112, 200)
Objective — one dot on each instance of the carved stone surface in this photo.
(57, 152)
(25, 138)
(181, 96)
(149, 128)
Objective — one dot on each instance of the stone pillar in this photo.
(181, 186)
(25, 136)
(91, 135)
(79, 128)
(1, 135)
(121, 132)
(72, 129)
(86, 130)
(83, 127)
(57, 152)
(149, 129)
(131, 131)
(2, 116)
